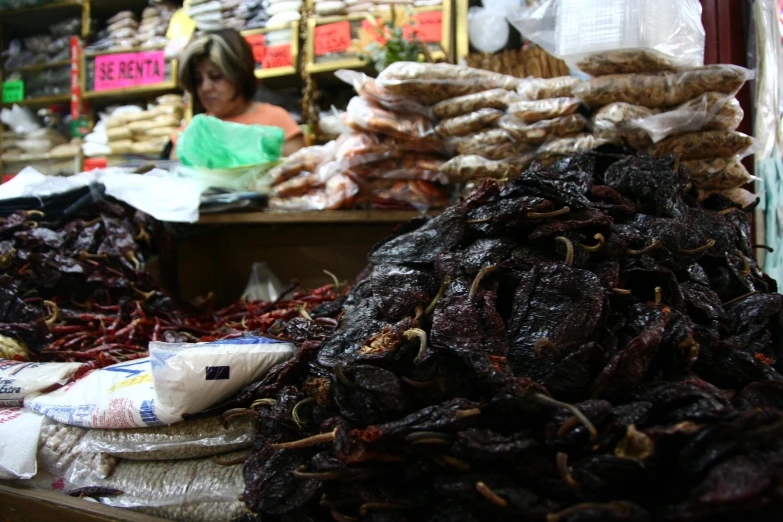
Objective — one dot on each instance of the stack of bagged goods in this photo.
(154, 24)
(254, 13)
(122, 29)
(283, 12)
(207, 14)
(145, 131)
(232, 17)
(644, 100)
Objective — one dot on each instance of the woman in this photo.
(218, 70)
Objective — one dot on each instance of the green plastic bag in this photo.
(214, 144)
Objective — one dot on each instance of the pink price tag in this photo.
(118, 71)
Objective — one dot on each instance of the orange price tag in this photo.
(256, 42)
(95, 164)
(332, 38)
(277, 56)
(429, 26)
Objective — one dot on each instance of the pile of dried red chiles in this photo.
(78, 292)
(587, 342)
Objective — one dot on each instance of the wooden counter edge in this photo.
(21, 504)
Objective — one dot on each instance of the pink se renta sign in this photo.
(118, 71)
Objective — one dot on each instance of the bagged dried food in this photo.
(337, 192)
(428, 145)
(149, 147)
(613, 123)
(125, 23)
(299, 185)
(410, 167)
(127, 32)
(372, 118)
(467, 123)
(19, 434)
(744, 198)
(545, 88)
(432, 83)
(369, 89)
(360, 144)
(161, 131)
(467, 167)
(531, 111)
(706, 144)
(305, 159)
(710, 111)
(662, 89)
(408, 195)
(189, 439)
(119, 133)
(121, 147)
(122, 15)
(491, 99)
(495, 144)
(543, 130)
(58, 453)
(193, 490)
(170, 99)
(555, 149)
(624, 61)
(19, 379)
(717, 173)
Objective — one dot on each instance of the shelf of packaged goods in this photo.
(42, 101)
(323, 216)
(21, 504)
(23, 158)
(278, 72)
(93, 54)
(12, 13)
(37, 67)
(133, 92)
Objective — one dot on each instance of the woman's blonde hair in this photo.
(230, 53)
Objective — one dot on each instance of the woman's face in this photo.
(216, 93)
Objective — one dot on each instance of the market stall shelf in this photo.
(275, 54)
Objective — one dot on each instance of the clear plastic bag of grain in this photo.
(544, 130)
(467, 167)
(467, 123)
(428, 83)
(717, 173)
(710, 111)
(704, 145)
(60, 453)
(545, 88)
(491, 99)
(531, 111)
(494, 144)
(662, 89)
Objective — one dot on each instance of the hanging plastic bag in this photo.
(215, 144)
(653, 34)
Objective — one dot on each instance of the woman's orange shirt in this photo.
(264, 114)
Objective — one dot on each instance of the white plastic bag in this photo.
(19, 432)
(191, 377)
(263, 284)
(20, 379)
(575, 29)
(118, 396)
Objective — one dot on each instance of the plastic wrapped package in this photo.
(744, 198)
(19, 379)
(543, 130)
(429, 83)
(428, 145)
(555, 149)
(668, 31)
(125, 23)
(412, 194)
(372, 118)
(299, 185)
(303, 160)
(338, 191)
(662, 89)
(531, 111)
(623, 61)
(467, 123)
(122, 15)
(495, 144)
(467, 167)
(194, 490)
(185, 440)
(710, 111)
(491, 99)
(58, 452)
(360, 144)
(424, 167)
(613, 123)
(369, 89)
(19, 432)
(702, 145)
(717, 173)
(546, 88)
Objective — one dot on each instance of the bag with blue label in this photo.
(177, 379)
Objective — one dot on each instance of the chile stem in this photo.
(321, 438)
(477, 281)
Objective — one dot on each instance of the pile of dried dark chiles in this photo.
(587, 342)
(78, 292)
